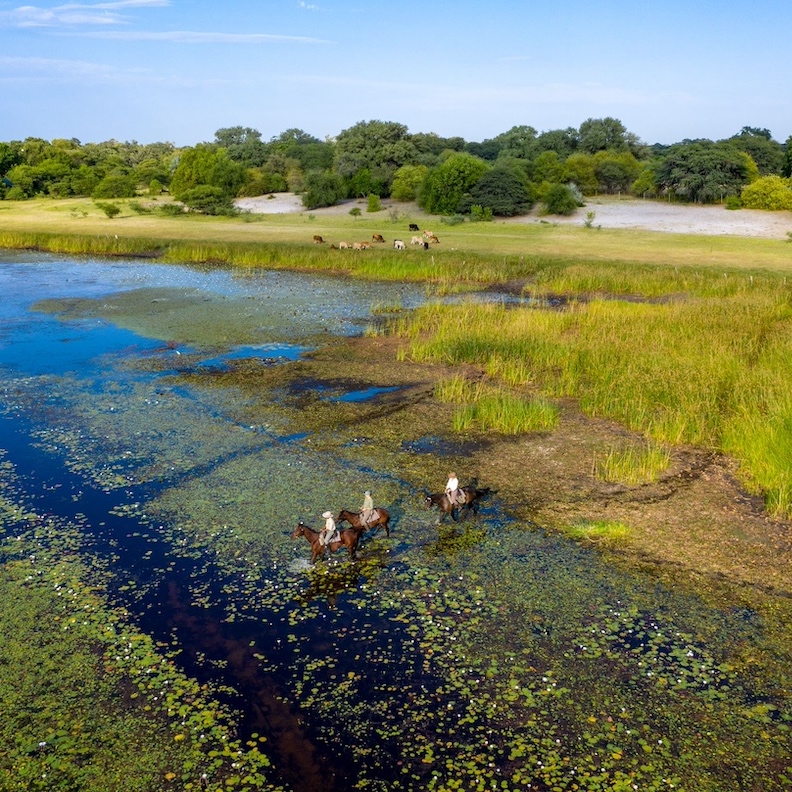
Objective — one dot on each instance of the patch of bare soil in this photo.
(654, 215)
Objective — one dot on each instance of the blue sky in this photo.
(178, 70)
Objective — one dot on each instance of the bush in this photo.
(374, 203)
(453, 220)
(480, 214)
(322, 189)
(733, 202)
(773, 193)
(115, 187)
(172, 209)
(110, 209)
(560, 200)
(208, 200)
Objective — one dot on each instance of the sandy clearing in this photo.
(609, 212)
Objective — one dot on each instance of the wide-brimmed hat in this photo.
(327, 515)
(367, 492)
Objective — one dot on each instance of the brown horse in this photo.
(442, 500)
(349, 539)
(381, 518)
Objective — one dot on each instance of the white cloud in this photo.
(75, 14)
(198, 37)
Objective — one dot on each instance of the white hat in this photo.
(327, 515)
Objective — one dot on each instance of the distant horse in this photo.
(349, 539)
(441, 500)
(381, 518)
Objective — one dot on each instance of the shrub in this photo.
(560, 200)
(110, 209)
(115, 187)
(480, 214)
(172, 209)
(208, 200)
(773, 193)
(374, 203)
(733, 202)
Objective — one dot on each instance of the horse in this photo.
(442, 500)
(349, 539)
(381, 518)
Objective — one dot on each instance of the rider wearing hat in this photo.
(367, 509)
(326, 534)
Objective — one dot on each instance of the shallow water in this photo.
(455, 654)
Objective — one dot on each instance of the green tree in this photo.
(9, 157)
(645, 185)
(381, 146)
(580, 169)
(519, 142)
(445, 186)
(786, 165)
(322, 188)
(503, 190)
(602, 134)
(407, 181)
(547, 168)
(763, 150)
(243, 144)
(704, 171)
(616, 171)
(110, 209)
(207, 165)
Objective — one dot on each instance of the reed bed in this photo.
(633, 465)
(715, 371)
(496, 409)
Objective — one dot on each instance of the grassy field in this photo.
(462, 244)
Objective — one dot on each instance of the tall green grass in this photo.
(495, 409)
(633, 465)
(715, 371)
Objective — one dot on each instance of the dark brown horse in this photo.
(349, 539)
(381, 518)
(441, 500)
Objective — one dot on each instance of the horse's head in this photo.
(429, 501)
(299, 530)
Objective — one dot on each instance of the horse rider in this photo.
(455, 494)
(327, 533)
(367, 509)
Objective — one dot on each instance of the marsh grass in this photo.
(714, 371)
(507, 414)
(488, 408)
(633, 465)
(608, 532)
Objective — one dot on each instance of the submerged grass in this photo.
(609, 532)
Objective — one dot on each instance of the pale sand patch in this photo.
(612, 212)
(609, 212)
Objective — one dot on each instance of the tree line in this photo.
(501, 176)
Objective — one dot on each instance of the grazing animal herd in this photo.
(424, 240)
